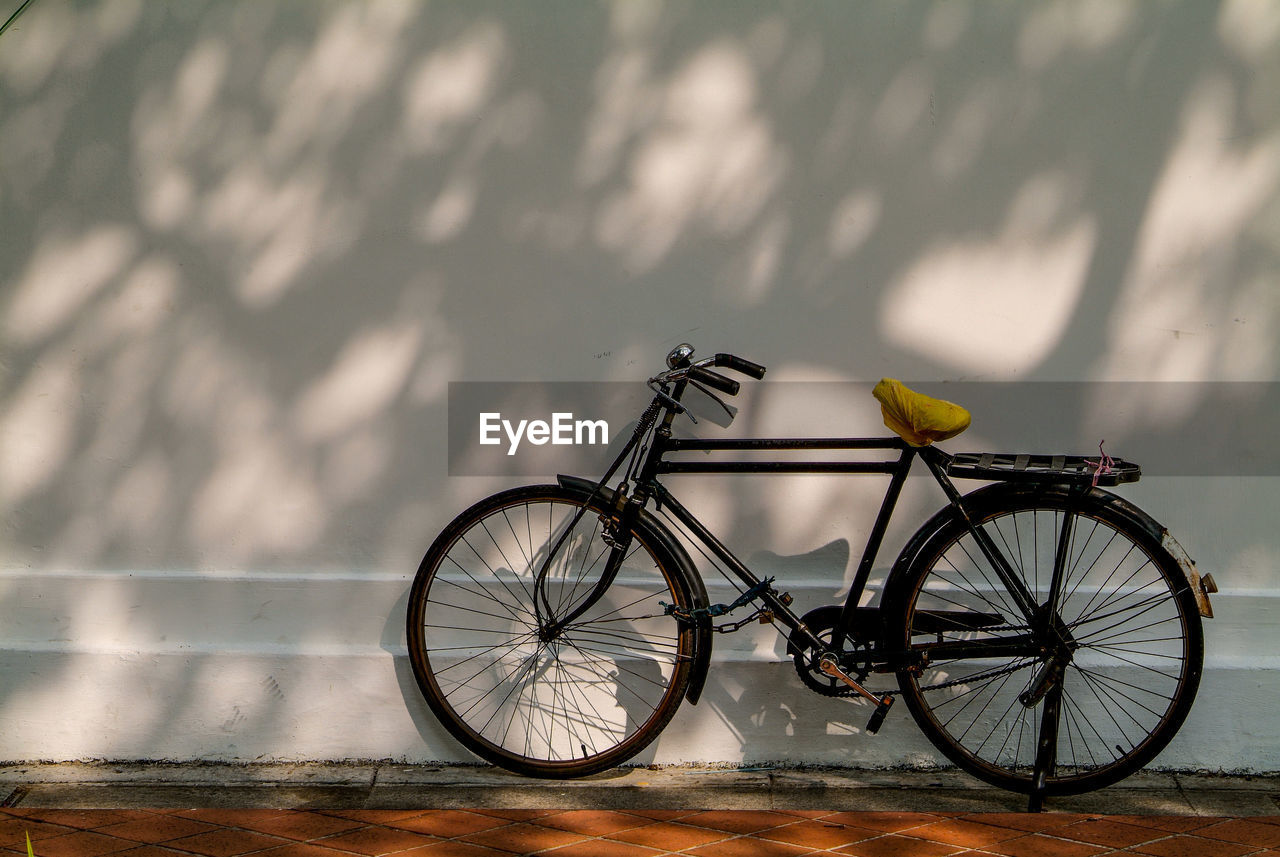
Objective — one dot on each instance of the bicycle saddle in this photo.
(918, 419)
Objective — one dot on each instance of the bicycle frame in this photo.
(662, 444)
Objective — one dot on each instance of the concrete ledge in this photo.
(298, 667)
(394, 786)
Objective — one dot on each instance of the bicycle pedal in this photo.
(878, 716)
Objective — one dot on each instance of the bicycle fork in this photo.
(618, 537)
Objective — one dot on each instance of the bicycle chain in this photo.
(996, 673)
(970, 679)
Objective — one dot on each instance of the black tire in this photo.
(1125, 601)
(585, 701)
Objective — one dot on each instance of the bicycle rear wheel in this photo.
(1124, 607)
(560, 704)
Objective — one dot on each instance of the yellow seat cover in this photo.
(918, 418)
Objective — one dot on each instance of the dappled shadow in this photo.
(244, 247)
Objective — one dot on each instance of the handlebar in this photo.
(714, 379)
(739, 364)
(683, 369)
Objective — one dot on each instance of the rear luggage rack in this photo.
(1020, 467)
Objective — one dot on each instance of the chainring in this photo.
(855, 659)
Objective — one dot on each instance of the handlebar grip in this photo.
(746, 367)
(714, 379)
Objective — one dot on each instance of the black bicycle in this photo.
(1045, 634)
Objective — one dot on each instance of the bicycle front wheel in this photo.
(561, 703)
(1123, 608)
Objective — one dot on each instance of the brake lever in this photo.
(713, 397)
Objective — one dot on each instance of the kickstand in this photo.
(1047, 748)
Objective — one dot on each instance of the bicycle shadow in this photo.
(759, 700)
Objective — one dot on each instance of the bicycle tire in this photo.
(1126, 602)
(586, 701)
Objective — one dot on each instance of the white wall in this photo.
(245, 247)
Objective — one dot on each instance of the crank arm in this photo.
(883, 703)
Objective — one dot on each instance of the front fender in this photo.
(676, 559)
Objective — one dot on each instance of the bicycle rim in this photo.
(1129, 683)
(584, 701)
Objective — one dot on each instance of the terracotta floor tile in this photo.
(449, 823)
(242, 818)
(85, 819)
(738, 821)
(815, 833)
(375, 840)
(885, 822)
(603, 848)
(82, 843)
(1186, 845)
(592, 822)
(225, 842)
(157, 829)
(301, 849)
(669, 836)
(516, 814)
(664, 814)
(1170, 823)
(375, 816)
(748, 846)
(896, 845)
(804, 813)
(632, 833)
(1247, 831)
(15, 830)
(964, 833)
(523, 838)
(1031, 822)
(454, 849)
(1040, 845)
(1106, 831)
(151, 851)
(304, 826)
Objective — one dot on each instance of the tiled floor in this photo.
(633, 833)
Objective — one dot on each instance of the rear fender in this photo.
(1201, 586)
(676, 558)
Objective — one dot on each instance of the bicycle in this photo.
(1045, 633)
